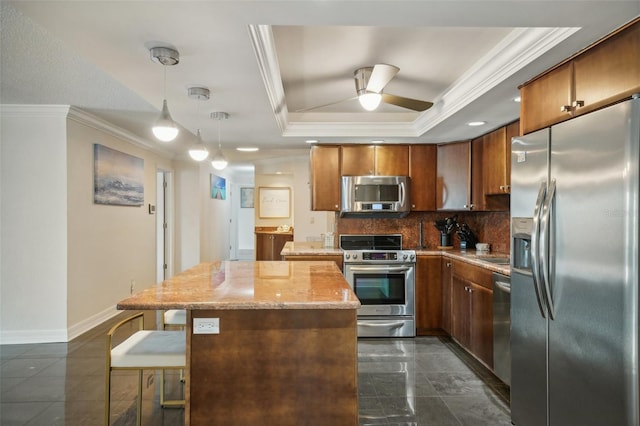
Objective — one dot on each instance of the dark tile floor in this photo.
(421, 381)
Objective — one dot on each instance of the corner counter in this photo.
(287, 338)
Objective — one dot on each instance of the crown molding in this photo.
(265, 50)
(521, 47)
(82, 117)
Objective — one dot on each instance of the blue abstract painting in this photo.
(218, 188)
(118, 178)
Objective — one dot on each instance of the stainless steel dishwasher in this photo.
(502, 327)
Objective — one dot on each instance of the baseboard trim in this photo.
(9, 337)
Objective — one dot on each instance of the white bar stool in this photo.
(175, 318)
(144, 349)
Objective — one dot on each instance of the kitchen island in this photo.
(280, 344)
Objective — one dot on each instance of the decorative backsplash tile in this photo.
(489, 227)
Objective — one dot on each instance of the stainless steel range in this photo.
(382, 275)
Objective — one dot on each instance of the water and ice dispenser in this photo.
(521, 228)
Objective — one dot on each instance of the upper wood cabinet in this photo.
(600, 75)
(453, 181)
(325, 178)
(379, 160)
(422, 171)
(497, 159)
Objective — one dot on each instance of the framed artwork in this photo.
(246, 198)
(218, 187)
(118, 178)
(274, 202)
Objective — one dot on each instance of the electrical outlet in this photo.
(133, 286)
(206, 326)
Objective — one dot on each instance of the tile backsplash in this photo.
(489, 227)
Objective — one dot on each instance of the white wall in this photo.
(110, 248)
(33, 276)
(65, 261)
(293, 172)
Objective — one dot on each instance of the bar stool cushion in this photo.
(151, 348)
(175, 317)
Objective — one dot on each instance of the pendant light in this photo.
(165, 129)
(198, 151)
(219, 161)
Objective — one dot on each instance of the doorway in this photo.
(164, 233)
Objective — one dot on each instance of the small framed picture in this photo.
(246, 198)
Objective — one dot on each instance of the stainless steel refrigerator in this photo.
(574, 278)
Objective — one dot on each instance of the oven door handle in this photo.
(393, 324)
(379, 268)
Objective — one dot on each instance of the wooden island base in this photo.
(273, 366)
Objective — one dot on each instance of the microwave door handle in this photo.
(402, 194)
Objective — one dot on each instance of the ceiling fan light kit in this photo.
(165, 129)
(219, 161)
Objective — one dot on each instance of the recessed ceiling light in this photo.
(248, 149)
(476, 123)
(378, 141)
(516, 99)
(311, 141)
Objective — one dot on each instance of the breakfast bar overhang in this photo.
(278, 346)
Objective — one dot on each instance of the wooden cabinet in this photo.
(325, 178)
(379, 160)
(453, 181)
(326, 258)
(472, 310)
(446, 267)
(428, 296)
(607, 72)
(422, 171)
(495, 180)
(598, 76)
(269, 245)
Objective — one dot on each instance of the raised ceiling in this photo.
(265, 61)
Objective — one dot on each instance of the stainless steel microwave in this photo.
(375, 196)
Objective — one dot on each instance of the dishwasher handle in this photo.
(504, 286)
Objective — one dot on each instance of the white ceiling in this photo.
(265, 60)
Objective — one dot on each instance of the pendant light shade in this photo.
(165, 129)
(219, 161)
(198, 150)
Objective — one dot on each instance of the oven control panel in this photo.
(379, 256)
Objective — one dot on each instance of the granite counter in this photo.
(287, 338)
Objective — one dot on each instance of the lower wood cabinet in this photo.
(326, 258)
(269, 245)
(472, 309)
(428, 296)
(446, 267)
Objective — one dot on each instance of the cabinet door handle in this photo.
(577, 104)
(448, 264)
(469, 206)
(566, 108)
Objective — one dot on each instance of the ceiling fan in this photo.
(370, 81)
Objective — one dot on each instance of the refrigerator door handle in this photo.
(545, 230)
(535, 246)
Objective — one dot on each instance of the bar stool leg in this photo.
(139, 401)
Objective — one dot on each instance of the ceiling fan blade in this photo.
(325, 105)
(408, 103)
(380, 77)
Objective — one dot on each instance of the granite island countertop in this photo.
(228, 285)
